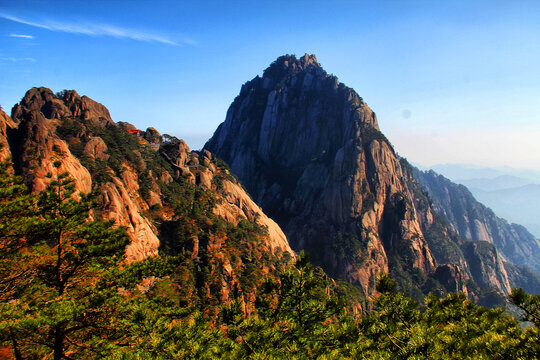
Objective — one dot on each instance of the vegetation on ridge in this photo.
(65, 293)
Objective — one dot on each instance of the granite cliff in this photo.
(5, 124)
(309, 151)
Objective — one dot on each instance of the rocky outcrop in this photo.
(122, 204)
(486, 266)
(41, 155)
(38, 153)
(475, 222)
(452, 277)
(309, 151)
(201, 169)
(172, 201)
(152, 136)
(238, 205)
(5, 124)
(63, 132)
(177, 153)
(479, 264)
(66, 103)
(523, 277)
(96, 148)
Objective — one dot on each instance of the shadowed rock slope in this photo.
(475, 222)
(309, 151)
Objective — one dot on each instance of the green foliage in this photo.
(349, 247)
(385, 285)
(298, 316)
(410, 281)
(124, 152)
(449, 328)
(121, 147)
(528, 304)
(55, 265)
(445, 246)
(17, 217)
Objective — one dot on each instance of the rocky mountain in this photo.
(311, 156)
(523, 277)
(5, 124)
(171, 200)
(475, 222)
(481, 260)
(309, 151)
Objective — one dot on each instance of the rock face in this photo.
(96, 148)
(152, 136)
(475, 222)
(5, 124)
(479, 263)
(309, 151)
(172, 201)
(523, 277)
(201, 168)
(63, 132)
(35, 145)
(486, 265)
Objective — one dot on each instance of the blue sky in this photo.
(451, 82)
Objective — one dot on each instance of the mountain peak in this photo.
(309, 151)
(63, 104)
(290, 65)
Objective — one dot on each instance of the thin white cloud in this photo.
(13, 59)
(98, 30)
(22, 36)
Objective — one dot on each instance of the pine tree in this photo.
(16, 218)
(299, 316)
(529, 305)
(56, 265)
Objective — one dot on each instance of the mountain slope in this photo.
(172, 201)
(475, 222)
(5, 124)
(309, 151)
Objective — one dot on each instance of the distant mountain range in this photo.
(511, 193)
(474, 222)
(501, 182)
(457, 172)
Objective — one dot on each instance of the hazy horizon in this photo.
(450, 83)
